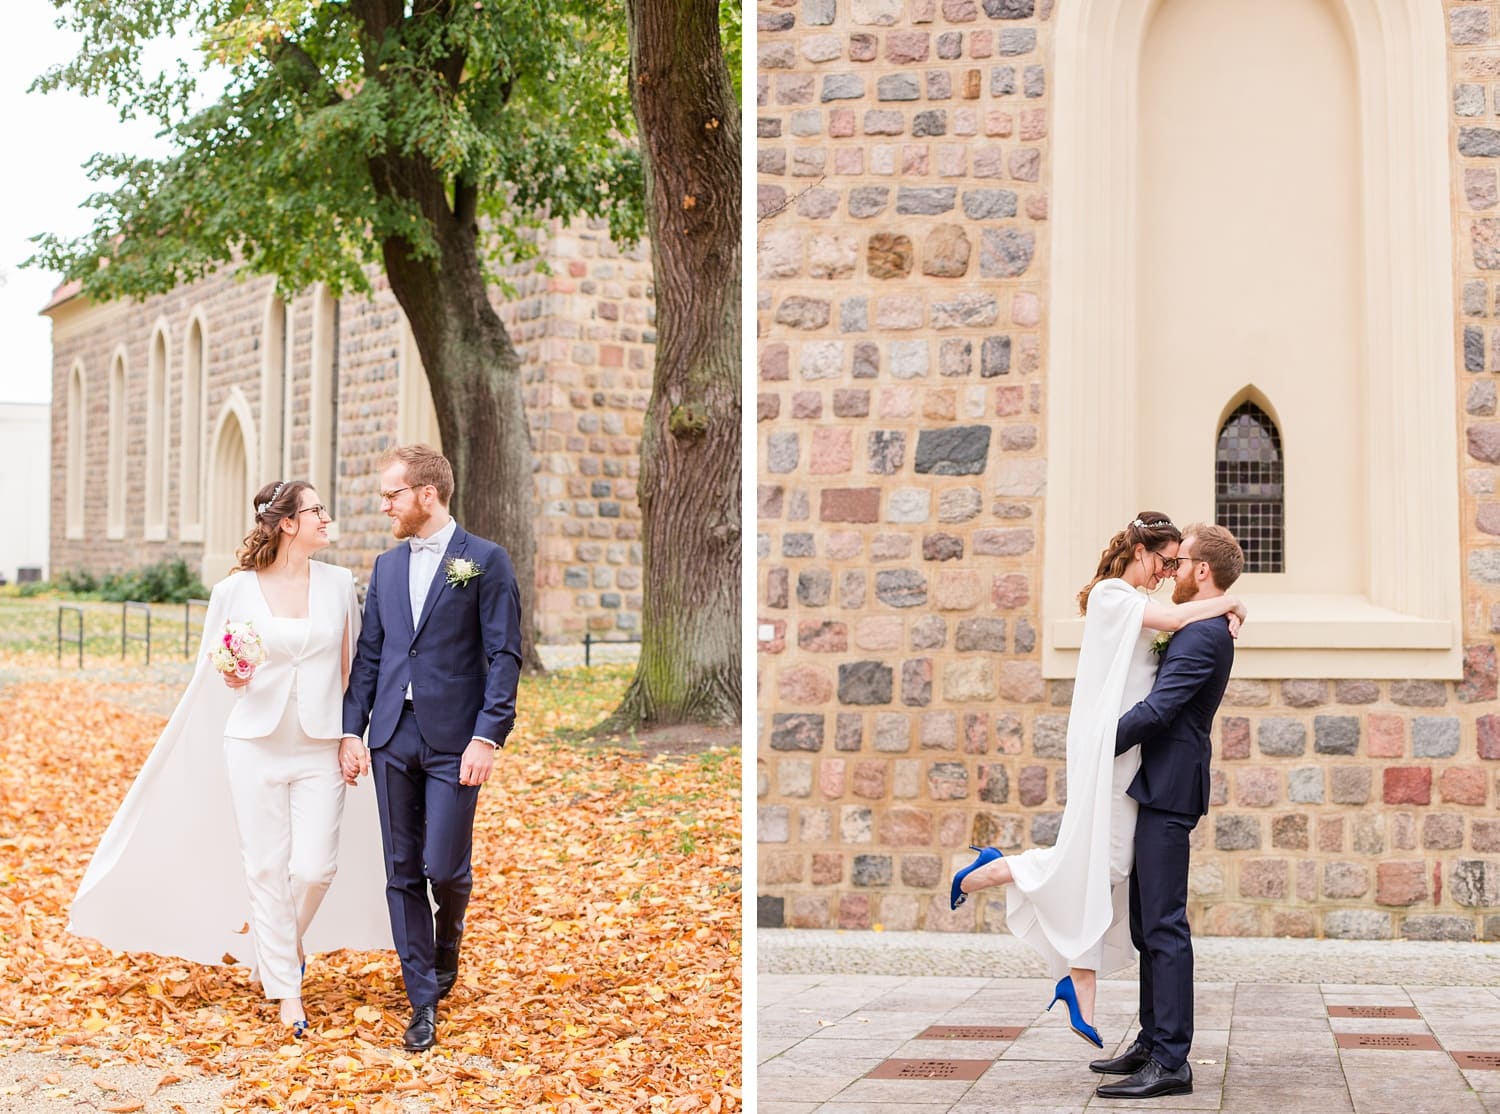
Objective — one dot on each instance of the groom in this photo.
(1171, 726)
(434, 679)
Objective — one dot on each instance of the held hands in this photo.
(477, 763)
(354, 759)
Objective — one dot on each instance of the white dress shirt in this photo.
(426, 556)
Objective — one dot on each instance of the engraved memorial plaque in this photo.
(1402, 1012)
(970, 1033)
(1407, 1042)
(1485, 1061)
(953, 1070)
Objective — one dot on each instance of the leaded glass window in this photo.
(1249, 479)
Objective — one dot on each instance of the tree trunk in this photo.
(475, 375)
(689, 122)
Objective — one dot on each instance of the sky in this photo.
(46, 140)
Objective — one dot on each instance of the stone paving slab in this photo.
(1265, 1043)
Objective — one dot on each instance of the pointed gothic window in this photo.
(1249, 487)
(158, 430)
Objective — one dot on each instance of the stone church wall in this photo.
(583, 323)
(904, 174)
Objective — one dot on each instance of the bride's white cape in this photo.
(1064, 902)
(168, 877)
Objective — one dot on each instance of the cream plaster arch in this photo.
(115, 470)
(231, 485)
(1253, 394)
(322, 407)
(77, 441)
(275, 380)
(416, 418)
(158, 426)
(1404, 619)
(192, 419)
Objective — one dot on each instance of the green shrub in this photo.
(163, 582)
(33, 588)
(77, 582)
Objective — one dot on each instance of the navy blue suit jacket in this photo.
(462, 657)
(1172, 725)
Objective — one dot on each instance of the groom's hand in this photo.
(478, 761)
(354, 759)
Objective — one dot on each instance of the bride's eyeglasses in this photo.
(319, 509)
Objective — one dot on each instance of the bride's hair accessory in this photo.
(1139, 525)
(264, 507)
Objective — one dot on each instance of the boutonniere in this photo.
(1159, 643)
(461, 570)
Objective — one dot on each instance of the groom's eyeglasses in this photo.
(1172, 564)
(390, 496)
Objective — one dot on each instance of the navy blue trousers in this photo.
(1159, 930)
(427, 829)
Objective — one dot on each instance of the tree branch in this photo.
(465, 203)
(290, 52)
(377, 16)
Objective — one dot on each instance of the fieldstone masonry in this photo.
(586, 335)
(903, 238)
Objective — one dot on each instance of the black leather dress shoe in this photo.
(1151, 1081)
(1132, 1060)
(445, 966)
(421, 1034)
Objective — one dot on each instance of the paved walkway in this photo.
(1272, 1019)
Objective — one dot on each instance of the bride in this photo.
(227, 848)
(1070, 901)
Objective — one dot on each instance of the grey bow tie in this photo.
(429, 545)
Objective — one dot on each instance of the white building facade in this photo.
(25, 474)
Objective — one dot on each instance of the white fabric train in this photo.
(168, 876)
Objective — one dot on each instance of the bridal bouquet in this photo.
(239, 651)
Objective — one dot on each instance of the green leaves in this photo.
(290, 170)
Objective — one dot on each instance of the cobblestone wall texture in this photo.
(585, 330)
(903, 184)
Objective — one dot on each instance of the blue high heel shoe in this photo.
(986, 855)
(1066, 993)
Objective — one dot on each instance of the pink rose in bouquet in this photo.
(239, 651)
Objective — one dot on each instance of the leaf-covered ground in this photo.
(601, 967)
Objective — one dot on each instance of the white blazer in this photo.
(317, 667)
(177, 821)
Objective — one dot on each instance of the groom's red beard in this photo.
(1182, 590)
(409, 525)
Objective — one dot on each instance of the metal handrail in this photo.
(61, 640)
(125, 636)
(590, 641)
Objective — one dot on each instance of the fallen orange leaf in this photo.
(601, 966)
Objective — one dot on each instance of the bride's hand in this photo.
(1236, 617)
(237, 682)
(354, 759)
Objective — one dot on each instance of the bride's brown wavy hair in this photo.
(1151, 529)
(281, 500)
